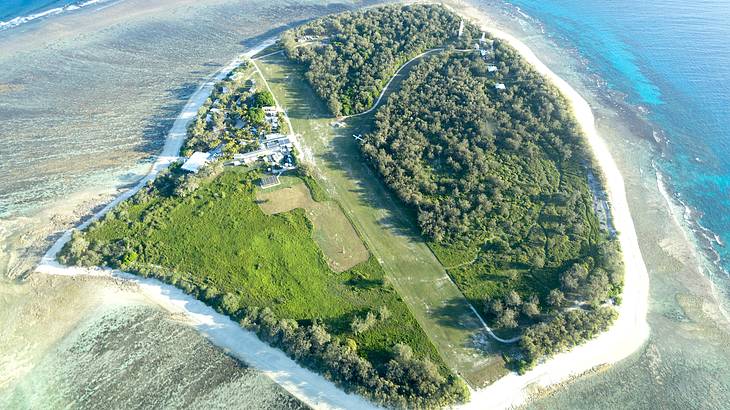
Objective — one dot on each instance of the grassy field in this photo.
(332, 231)
(410, 265)
(220, 239)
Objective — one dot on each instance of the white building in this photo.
(251, 157)
(275, 148)
(492, 68)
(500, 86)
(195, 162)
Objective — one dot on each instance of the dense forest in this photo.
(497, 178)
(488, 156)
(350, 56)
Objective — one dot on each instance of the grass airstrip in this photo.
(388, 231)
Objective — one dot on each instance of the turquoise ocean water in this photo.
(668, 59)
(14, 13)
(671, 59)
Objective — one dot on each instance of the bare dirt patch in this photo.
(332, 231)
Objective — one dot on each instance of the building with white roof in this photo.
(251, 157)
(196, 161)
(500, 86)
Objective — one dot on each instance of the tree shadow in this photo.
(161, 119)
(364, 283)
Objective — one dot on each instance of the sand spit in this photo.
(626, 336)
(305, 385)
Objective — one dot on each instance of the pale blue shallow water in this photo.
(668, 56)
(671, 57)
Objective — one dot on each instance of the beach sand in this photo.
(631, 329)
(625, 336)
(307, 386)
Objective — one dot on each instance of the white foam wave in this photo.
(17, 21)
(704, 238)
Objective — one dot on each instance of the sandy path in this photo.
(625, 336)
(382, 93)
(307, 386)
(630, 330)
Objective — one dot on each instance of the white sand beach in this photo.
(631, 329)
(307, 386)
(625, 336)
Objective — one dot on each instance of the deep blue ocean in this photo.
(671, 58)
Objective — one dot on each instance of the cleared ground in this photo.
(422, 282)
(219, 240)
(332, 231)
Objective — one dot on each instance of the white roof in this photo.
(251, 154)
(196, 161)
(500, 86)
(492, 68)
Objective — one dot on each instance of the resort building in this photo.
(275, 150)
(196, 161)
(492, 69)
(500, 87)
(249, 157)
(272, 116)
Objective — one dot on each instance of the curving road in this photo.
(377, 103)
(382, 93)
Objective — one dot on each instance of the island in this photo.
(393, 198)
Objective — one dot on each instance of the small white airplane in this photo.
(358, 137)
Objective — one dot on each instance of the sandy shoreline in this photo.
(307, 386)
(625, 336)
(631, 329)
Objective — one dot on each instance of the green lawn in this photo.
(219, 238)
(387, 229)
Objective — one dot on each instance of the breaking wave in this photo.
(17, 21)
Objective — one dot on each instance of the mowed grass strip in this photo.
(332, 231)
(419, 277)
(220, 238)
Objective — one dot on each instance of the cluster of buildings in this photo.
(485, 47)
(271, 115)
(274, 149)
